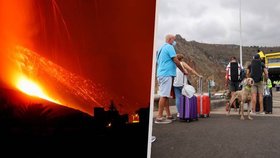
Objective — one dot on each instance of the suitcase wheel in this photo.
(203, 116)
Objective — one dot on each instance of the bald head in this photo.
(169, 38)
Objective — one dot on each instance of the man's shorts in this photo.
(233, 86)
(165, 85)
(258, 87)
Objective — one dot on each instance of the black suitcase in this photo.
(267, 104)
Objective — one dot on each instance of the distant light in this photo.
(109, 124)
(135, 118)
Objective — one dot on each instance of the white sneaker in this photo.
(252, 113)
(262, 113)
(162, 121)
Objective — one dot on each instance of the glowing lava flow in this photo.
(71, 89)
(33, 89)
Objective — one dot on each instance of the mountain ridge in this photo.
(210, 60)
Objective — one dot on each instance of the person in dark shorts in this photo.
(233, 74)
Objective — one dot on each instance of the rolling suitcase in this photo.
(203, 102)
(267, 104)
(188, 108)
(267, 101)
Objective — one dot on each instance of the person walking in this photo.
(166, 71)
(256, 70)
(180, 79)
(233, 78)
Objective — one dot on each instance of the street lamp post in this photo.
(240, 33)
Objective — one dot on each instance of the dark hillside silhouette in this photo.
(40, 127)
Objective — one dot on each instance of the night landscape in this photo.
(49, 128)
(67, 72)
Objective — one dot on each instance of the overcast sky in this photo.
(218, 22)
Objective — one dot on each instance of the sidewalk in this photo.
(219, 136)
(218, 107)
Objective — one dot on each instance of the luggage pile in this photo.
(197, 106)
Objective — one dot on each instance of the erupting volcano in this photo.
(76, 55)
(60, 83)
(73, 72)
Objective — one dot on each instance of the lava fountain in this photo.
(33, 89)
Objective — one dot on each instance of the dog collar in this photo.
(248, 88)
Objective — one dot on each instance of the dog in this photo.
(243, 96)
(227, 97)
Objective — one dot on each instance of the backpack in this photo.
(234, 72)
(256, 70)
(242, 75)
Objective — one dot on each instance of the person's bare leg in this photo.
(167, 108)
(261, 102)
(161, 106)
(253, 102)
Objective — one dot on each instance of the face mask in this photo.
(174, 43)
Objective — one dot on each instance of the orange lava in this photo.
(32, 88)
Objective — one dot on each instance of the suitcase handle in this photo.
(200, 92)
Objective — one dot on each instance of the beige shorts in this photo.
(257, 87)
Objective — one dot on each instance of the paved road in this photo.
(220, 136)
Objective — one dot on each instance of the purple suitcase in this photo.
(188, 108)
